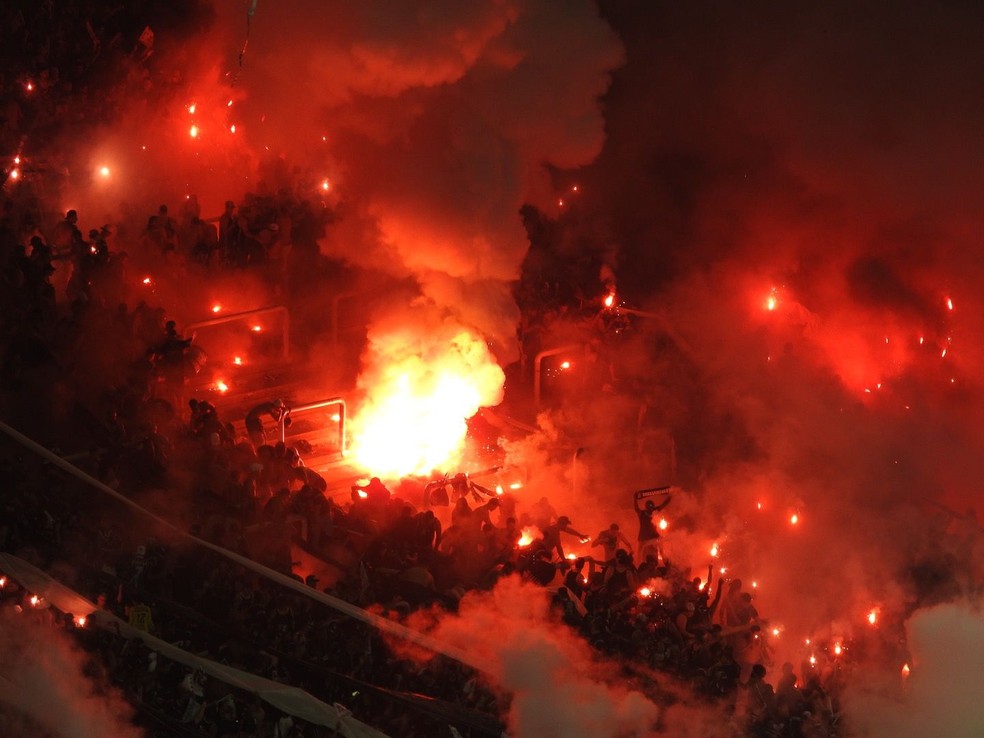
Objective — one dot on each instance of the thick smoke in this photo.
(43, 678)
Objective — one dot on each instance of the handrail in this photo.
(296, 409)
(537, 368)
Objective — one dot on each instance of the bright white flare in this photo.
(421, 387)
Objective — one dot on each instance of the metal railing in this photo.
(538, 368)
(309, 406)
(246, 315)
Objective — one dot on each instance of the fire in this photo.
(572, 557)
(193, 131)
(14, 173)
(256, 328)
(420, 391)
(565, 365)
(813, 660)
(232, 128)
(873, 616)
(516, 485)
(905, 671)
(776, 632)
(610, 299)
(104, 171)
(663, 525)
(192, 108)
(794, 519)
(34, 600)
(221, 386)
(949, 304)
(29, 86)
(237, 360)
(325, 185)
(714, 550)
(216, 308)
(645, 591)
(146, 280)
(3, 582)
(838, 649)
(80, 621)
(530, 534)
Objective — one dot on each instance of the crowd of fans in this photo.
(85, 355)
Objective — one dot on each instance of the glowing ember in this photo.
(104, 171)
(3, 582)
(775, 632)
(363, 494)
(873, 616)
(237, 360)
(34, 600)
(193, 131)
(758, 505)
(146, 280)
(232, 128)
(794, 519)
(216, 308)
(645, 591)
(14, 173)
(770, 303)
(565, 365)
(838, 649)
(17, 159)
(755, 585)
(499, 490)
(29, 86)
(714, 550)
(663, 525)
(560, 203)
(530, 534)
(326, 185)
(256, 328)
(221, 386)
(723, 570)
(813, 660)
(905, 671)
(516, 485)
(420, 391)
(192, 108)
(949, 304)
(610, 300)
(80, 621)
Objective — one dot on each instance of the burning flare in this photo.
(421, 386)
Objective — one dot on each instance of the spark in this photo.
(104, 171)
(337, 418)
(723, 570)
(146, 280)
(516, 485)
(192, 108)
(560, 202)
(714, 550)
(216, 308)
(3, 582)
(873, 616)
(906, 671)
(574, 188)
(193, 131)
(610, 299)
(17, 159)
(758, 505)
(325, 185)
(14, 173)
(775, 632)
(221, 386)
(572, 557)
(949, 304)
(813, 660)
(794, 519)
(943, 355)
(34, 600)
(565, 365)
(499, 490)
(755, 585)
(29, 86)
(256, 328)
(80, 621)
(232, 128)
(229, 104)
(838, 649)
(363, 494)
(237, 360)
(663, 525)
(645, 591)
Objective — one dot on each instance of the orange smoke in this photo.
(421, 385)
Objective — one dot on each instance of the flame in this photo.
(610, 299)
(530, 534)
(237, 360)
(14, 173)
(80, 621)
(216, 308)
(906, 671)
(193, 131)
(565, 365)
(714, 550)
(420, 391)
(34, 600)
(363, 494)
(221, 386)
(3, 582)
(794, 519)
(104, 171)
(146, 280)
(873, 616)
(663, 525)
(192, 108)
(645, 591)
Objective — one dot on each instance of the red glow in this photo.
(146, 280)
(232, 128)
(80, 621)
(221, 386)
(873, 616)
(794, 519)
(645, 591)
(29, 86)
(565, 365)
(256, 328)
(238, 361)
(104, 171)
(3, 582)
(192, 108)
(14, 173)
(949, 304)
(610, 300)
(325, 185)
(193, 131)
(663, 525)
(714, 550)
(216, 308)
(530, 534)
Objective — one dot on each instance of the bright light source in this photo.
(193, 131)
